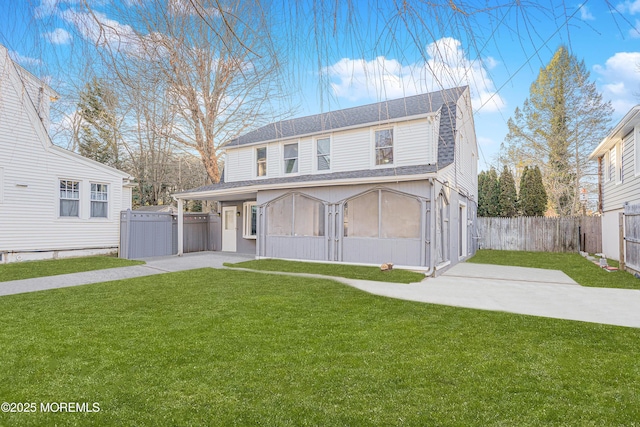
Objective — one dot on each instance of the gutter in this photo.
(604, 145)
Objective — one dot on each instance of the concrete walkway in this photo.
(153, 266)
(532, 291)
(537, 292)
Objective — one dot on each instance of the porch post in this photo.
(180, 226)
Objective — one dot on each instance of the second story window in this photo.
(261, 161)
(323, 154)
(384, 146)
(291, 158)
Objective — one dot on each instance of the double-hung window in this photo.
(99, 200)
(291, 158)
(323, 154)
(250, 226)
(384, 147)
(261, 161)
(69, 198)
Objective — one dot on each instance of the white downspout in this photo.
(431, 229)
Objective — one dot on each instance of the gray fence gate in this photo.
(149, 234)
(632, 237)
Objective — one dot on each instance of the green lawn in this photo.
(573, 265)
(222, 347)
(31, 269)
(339, 270)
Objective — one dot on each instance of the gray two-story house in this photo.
(394, 181)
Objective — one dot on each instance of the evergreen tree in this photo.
(560, 124)
(508, 198)
(533, 197)
(488, 194)
(523, 195)
(99, 133)
(482, 204)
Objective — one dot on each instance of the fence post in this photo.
(621, 239)
(125, 234)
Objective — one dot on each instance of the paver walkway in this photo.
(537, 292)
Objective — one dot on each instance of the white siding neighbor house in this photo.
(394, 181)
(618, 157)
(53, 203)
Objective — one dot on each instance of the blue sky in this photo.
(498, 53)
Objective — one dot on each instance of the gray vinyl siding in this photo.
(310, 248)
(338, 193)
(333, 246)
(380, 251)
(615, 195)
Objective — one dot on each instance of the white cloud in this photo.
(620, 80)
(585, 14)
(24, 60)
(631, 7)
(447, 66)
(58, 36)
(101, 30)
(45, 8)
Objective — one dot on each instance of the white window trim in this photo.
(373, 146)
(636, 150)
(315, 154)
(606, 167)
(246, 220)
(255, 162)
(282, 160)
(108, 202)
(80, 198)
(618, 165)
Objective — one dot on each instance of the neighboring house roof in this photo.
(626, 125)
(443, 101)
(24, 80)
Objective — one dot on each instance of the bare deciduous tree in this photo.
(215, 61)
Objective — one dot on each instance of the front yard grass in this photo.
(573, 265)
(31, 269)
(340, 270)
(223, 347)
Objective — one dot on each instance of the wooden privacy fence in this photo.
(632, 238)
(541, 234)
(149, 234)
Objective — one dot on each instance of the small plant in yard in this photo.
(358, 272)
(573, 265)
(31, 269)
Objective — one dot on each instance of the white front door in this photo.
(229, 233)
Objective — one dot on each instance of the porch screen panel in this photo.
(309, 217)
(280, 217)
(361, 216)
(400, 216)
